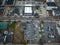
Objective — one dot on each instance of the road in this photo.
(32, 44)
(45, 19)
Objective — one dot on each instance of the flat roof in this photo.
(28, 9)
(50, 1)
(3, 25)
(57, 11)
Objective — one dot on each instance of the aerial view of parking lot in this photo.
(29, 22)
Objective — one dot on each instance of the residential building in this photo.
(56, 12)
(4, 25)
(58, 28)
(57, 3)
(50, 5)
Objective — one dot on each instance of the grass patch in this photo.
(12, 25)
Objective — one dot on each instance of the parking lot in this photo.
(50, 32)
(31, 31)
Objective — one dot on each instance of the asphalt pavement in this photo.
(49, 31)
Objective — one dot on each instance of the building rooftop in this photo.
(16, 11)
(1, 1)
(51, 4)
(56, 12)
(1, 10)
(3, 25)
(9, 2)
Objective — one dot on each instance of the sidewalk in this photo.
(32, 44)
(53, 44)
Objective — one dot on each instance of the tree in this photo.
(12, 25)
(41, 23)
